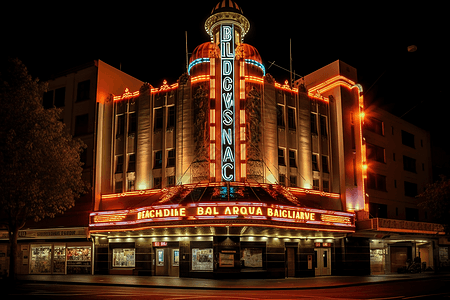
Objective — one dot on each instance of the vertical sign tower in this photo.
(228, 162)
(227, 27)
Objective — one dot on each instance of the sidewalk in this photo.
(215, 284)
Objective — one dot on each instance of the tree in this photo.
(436, 199)
(40, 168)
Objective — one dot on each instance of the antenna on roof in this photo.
(187, 58)
(290, 63)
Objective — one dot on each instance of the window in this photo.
(292, 180)
(120, 125)
(374, 125)
(377, 210)
(281, 160)
(131, 184)
(323, 126)
(171, 117)
(325, 168)
(280, 115)
(133, 124)
(376, 181)
(282, 179)
(119, 163)
(157, 182)
(118, 187)
(60, 97)
(408, 139)
(171, 180)
(81, 125)
(315, 162)
(315, 184)
(158, 160)
(291, 118)
(131, 163)
(171, 158)
(123, 258)
(83, 90)
(158, 118)
(292, 160)
(410, 189)
(54, 98)
(325, 185)
(409, 164)
(375, 153)
(313, 123)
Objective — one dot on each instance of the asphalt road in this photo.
(437, 288)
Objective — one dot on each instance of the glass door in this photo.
(322, 261)
(59, 259)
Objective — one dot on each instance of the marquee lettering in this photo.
(227, 102)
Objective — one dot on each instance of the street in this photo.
(436, 288)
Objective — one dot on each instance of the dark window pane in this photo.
(60, 96)
(83, 91)
(408, 139)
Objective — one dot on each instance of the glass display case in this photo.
(124, 257)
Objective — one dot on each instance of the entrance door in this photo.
(167, 262)
(290, 262)
(322, 261)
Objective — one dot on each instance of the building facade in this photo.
(62, 245)
(229, 173)
(399, 168)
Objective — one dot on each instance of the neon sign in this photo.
(223, 211)
(227, 102)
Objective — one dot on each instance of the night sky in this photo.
(147, 41)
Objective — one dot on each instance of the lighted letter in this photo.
(227, 211)
(226, 97)
(224, 172)
(227, 137)
(227, 84)
(235, 210)
(269, 212)
(183, 212)
(208, 211)
(227, 67)
(251, 210)
(200, 211)
(244, 210)
(259, 211)
(313, 216)
(227, 117)
(166, 212)
(226, 34)
(228, 155)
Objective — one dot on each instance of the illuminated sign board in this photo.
(224, 211)
(227, 102)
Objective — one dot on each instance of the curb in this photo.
(227, 287)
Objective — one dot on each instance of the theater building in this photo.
(229, 173)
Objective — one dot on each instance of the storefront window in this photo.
(41, 259)
(202, 259)
(160, 256)
(123, 258)
(59, 259)
(79, 260)
(252, 257)
(176, 257)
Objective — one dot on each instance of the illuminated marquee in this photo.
(247, 210)
(227, 102)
